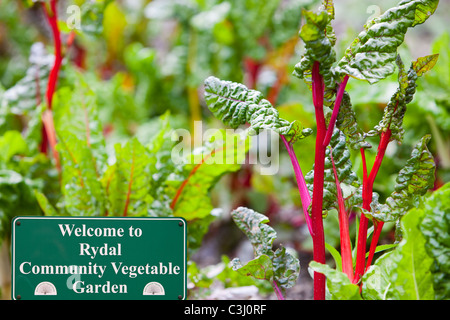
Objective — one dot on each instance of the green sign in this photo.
(75, 258)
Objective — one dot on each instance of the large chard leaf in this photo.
(371, 55)
(128, 181)
(419, 267)
(279, 266)
(75, 111)
(190, 184)
(82, 149)
(81, 187)
(396, 108)
(376, 281)
(405, 273)
(234, 104)
(413, 181)
(159, 147)
(184, 178)
(434, 227)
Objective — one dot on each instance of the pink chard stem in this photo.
(305, 197)
(319, 168)
(346, 249)
(337, 105)
(277, 291)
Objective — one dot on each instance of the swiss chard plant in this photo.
(278, 267)
(371, 57)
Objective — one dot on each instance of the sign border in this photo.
(13, 233)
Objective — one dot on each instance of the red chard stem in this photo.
(305, 197)
(337, 105)
(367, 200)
(319, 167)
(48, 126)
(346, 249)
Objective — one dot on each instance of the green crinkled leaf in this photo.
(128, 187)
(409, 273)
(286, 268)
(255, 227)
(396, 108)
(318, 47)
(20, 176)
(412, 181)
(189, 185)
(435, 228)
(161, 149)
(371, 55)
(183, 178)
(33, 132)
(81, 187)
(338, 284)
(231, 278)
(318, 37)
(346, 176)
(259, 268)
(346, 122)
(376, 281)
(234, 104)
(279, 266)
(76, 111)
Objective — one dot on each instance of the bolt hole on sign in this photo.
(107, 258)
